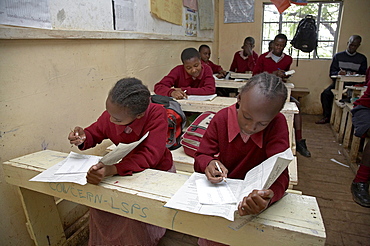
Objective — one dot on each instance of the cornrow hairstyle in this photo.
(250, 39)
(203, 46)
(189, 53)
(132, 94)
(270, 85)
(281, 36)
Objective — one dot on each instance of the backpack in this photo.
(305, 38)
(176, 120)
(194, 133)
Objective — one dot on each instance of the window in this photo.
(326, 14)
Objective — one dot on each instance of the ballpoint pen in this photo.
(219, 169)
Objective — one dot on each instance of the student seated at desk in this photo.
(205, 54)
(245, 59)
(348, 61)
(129, 116)
(277, 62)
(244, 135)
(191, 78)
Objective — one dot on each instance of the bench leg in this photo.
(43, 221)
(343, 124)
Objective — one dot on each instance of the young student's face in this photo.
(353, 45)
(193, 66)
(256, 111)
(118, 115)
(205, 54)
(278, 47)
(247, 46)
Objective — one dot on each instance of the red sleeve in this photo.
(151, 151)
(96, 132)
(252, 60)
(367, 82)
(215, 68)
(258, 68)
(207, 84)
(164, 87)
(234, 64)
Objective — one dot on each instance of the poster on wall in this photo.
(26, 13)
(191, 22)
(125, 19)
(236, 11)
(206, 15)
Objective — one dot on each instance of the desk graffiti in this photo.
(98, 198)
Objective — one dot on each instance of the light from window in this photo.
(326, 14)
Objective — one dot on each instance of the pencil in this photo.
(219, 169)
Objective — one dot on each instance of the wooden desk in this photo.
(339, 83)
(357, 91)
(294, 220)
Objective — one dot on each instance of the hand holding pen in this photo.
(216, 172)
(77, 136)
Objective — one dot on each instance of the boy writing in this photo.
(191, 78)
(277, 63)
(205, 54)
(245, 59)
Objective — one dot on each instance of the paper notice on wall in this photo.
(168, 10)
(236, 11)
(124, 14)
(25, 13)
(191, 22)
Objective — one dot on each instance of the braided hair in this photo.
(269, 85)
(131, 94)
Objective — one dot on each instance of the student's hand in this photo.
(97, 172)
(280, 73)
(221, 74)
(77, 136)
(255, 202)
(213, 174)
(342, 72)
(178, 94)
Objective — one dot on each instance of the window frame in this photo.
(318, 23)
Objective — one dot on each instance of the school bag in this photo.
(194, 133)
(176, 120)
(305, 38)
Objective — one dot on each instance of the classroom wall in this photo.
(313, 74)
(50, 86)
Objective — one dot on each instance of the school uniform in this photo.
(242, 64)
(111, 229)
(239, 152)
(361, 113)
(265, 63)
(204, 84)
(215, 68)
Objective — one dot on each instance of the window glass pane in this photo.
(289, 29)
(270, 30)
(325, 49)
(327, 31)
(265, 46)
(301, 54)
(270, 13)
(330, 12)
(297, 12)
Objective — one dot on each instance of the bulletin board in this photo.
(95, 19)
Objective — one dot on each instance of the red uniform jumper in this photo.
(111, 229)
(215, 68)
(242, 64)
(266, 64)
(204, 84)
(223, 136)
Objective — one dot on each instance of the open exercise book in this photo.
(200, 97)
(200, 196)
(74, 168)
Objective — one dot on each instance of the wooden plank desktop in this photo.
(339, 83)
(294, 220)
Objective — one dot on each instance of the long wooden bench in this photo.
(294, 220)
(299, 92)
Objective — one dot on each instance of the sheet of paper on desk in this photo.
(201, 97)
(77, 163)
(209, 193)
(120, 151)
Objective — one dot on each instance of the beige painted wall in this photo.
(49, 86)
(313, 74)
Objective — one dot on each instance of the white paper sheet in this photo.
(77, 163)
(201, 97)
(209, 193)
(260, 177)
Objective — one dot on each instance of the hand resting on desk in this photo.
(178, 93)
(97, 172)
(255, 202)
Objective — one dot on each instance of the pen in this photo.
(219, 169)
(185, 91)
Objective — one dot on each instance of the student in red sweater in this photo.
(129, 115)
(277, 62)
(244, 135)
(361, 123)
(205, 54)
(245, 59)
(191, 78)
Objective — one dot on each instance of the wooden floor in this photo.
(346, 223)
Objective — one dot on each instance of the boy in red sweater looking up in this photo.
(245, 59)
(205, 54)
(277, 62)
(244, 135)
(190, 78)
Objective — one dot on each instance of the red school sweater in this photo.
(239, 157)
(215, 68)
(241, 65)
(151, 153)
(266, 64)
